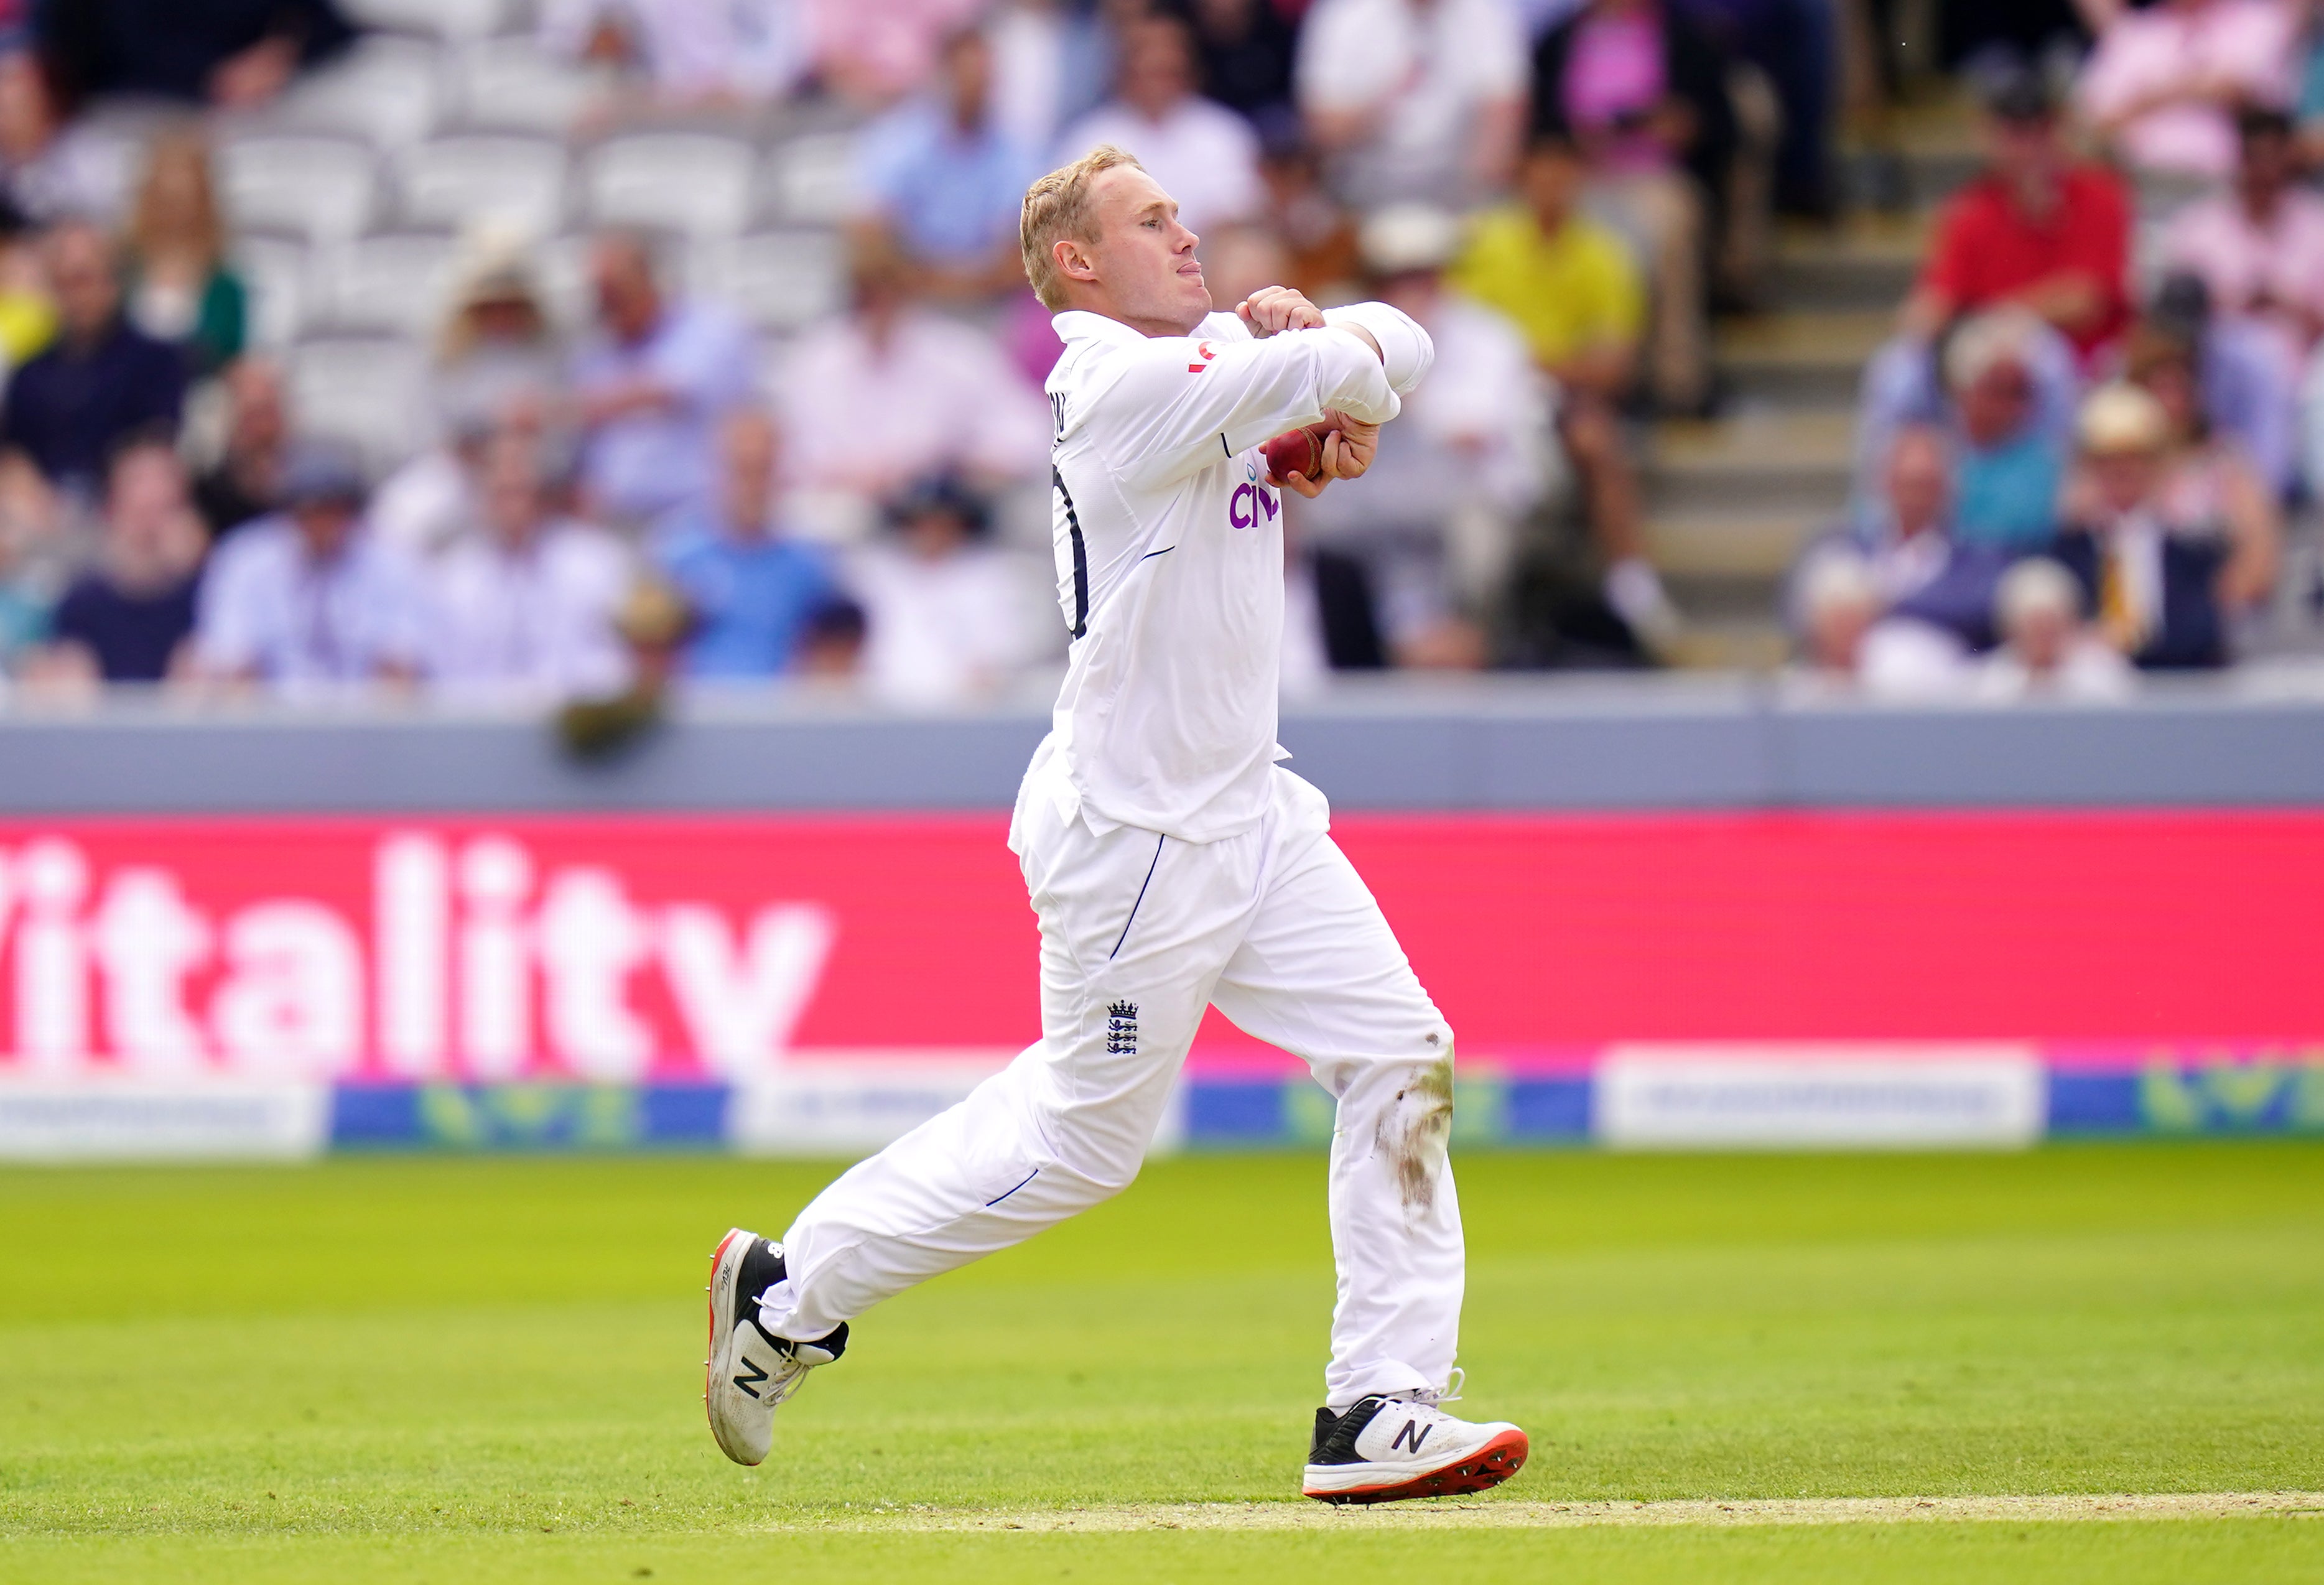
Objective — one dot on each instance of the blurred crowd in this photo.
(2076, 458)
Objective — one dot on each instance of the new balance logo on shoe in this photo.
(1416, 1431)
(749, 1383)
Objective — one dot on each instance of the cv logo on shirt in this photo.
(1251, 499)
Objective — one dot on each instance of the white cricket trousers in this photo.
(1140, 933)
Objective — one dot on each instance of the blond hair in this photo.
(1057, 206)
(180, 155)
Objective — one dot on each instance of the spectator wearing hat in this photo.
(128, 619)
(181, 288)
(751, 587)
(1572, 289)
(2164, 81)
(942, 178)
(522, 606)
(2155, 593)
(245, 482)
(951, 620)
(652, 385)
(497, 342)
(2245, 391)
(307, 601)
(101, 379)
(2211, 490)
(2036, 228)
(1203, 154)
(2258, 247)
(1437, 523)
(890, 392)
(2047, 650)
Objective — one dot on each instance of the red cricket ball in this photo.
(1296, 451)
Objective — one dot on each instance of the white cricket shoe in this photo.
(750, 1374)
(1383, 1449)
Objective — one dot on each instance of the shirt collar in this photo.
(1081, 325)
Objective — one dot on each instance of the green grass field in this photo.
(459, 1370)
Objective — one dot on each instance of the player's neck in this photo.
(1144, 324)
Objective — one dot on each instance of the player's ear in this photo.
(1073, 260)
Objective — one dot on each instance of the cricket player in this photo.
(1174, 865)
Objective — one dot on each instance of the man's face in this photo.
(2039, 638)
(747, 450)
(1416, 292)
(2172, 382)
(144, 504)
(1156, 72)
(324, 526)
(1998, 402)
(2021, 146)
(2125, 478)
(626, 299)
(968, 78)
(512, 491)
(1147, 273)
(1918, 483)
(81, 274)
(260, 424)
(1551, 179)
(2267, 164)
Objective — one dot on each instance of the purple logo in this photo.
(1244, 505)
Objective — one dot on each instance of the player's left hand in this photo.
(1271, 308)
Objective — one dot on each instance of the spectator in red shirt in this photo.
(2038, 229)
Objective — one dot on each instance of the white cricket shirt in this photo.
(1170, 557)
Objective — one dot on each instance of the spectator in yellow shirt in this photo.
(1573, 288)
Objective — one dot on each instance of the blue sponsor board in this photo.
(527, 1116)
(2168, 1094)
(1488, 1109)
(2171, 1093)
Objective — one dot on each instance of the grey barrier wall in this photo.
(1469, 744)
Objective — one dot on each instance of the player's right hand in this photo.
(1272, 308)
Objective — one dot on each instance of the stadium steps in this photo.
(1731, 501)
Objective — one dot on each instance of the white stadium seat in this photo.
(445, 19)
(812, 178)
(513, 85)
(324, 187)
(777, 279)
(395, 285)
(274, 270)
(365, 391)
(457, 180)
(693, 182)
(387, 91)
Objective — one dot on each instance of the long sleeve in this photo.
(1183, 404)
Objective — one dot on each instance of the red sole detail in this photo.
(710, 1307)
(1486, 1468)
